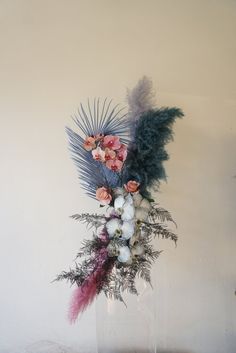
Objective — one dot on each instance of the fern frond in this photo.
(161, 214)
(88, 248)
(157, 229)
(92, 220)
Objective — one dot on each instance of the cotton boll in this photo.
(137, 250)
(137, 198)
(141, 213)
(133, 239)
(145, 204)
(127, 229)
(129, 262)
(113, 226)
(128, 212)
(124, 254)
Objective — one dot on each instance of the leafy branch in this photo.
(157, 229)
(92, 220)
(161, 214)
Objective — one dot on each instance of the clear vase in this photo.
(127, 329)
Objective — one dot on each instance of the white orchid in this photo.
(124, 207)
(119, 203)
(127, 229)
(117, 227)
(124, 254)
(113, 227)
(129, 199)
(128, 212)
(128, 208)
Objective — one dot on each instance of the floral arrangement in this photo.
(120, 160)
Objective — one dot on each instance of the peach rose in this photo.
(114, 164)
(89, 143)
(103, 195)
(112, 142)
(131, 186)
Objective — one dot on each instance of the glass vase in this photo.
(129, 328)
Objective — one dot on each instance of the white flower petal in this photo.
(119, 203)
(127, 229)
(125, 254)
(112, 226)
(128, 212)
(129, 199)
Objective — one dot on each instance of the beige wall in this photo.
(55, 54)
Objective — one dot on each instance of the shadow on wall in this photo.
(53, 347)
(174, 351)
(148, 351)
(48, 347)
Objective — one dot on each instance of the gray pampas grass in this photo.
(140, 99)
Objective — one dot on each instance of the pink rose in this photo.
(114, 164)
(103, 195)
(122, 153)
(109, 154)
(112, 142)
(98, 154)
(131, 186)
(89, 143)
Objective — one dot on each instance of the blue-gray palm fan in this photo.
(97, 118)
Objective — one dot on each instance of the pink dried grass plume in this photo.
(84, 295)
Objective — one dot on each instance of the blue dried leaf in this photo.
(100, 118)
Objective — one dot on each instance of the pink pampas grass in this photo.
(84, 295)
